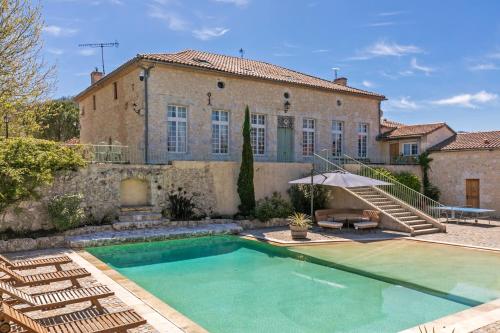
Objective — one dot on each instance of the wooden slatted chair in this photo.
(106, 323)
(19, 280)
(35, 263)
(56, 299)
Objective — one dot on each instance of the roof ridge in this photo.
(478, 132)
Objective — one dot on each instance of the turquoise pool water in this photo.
(228, 284)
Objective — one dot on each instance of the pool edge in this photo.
(162, 308)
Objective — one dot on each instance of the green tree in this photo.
(245, 179)
(59, 121)
(25, 80)
(431, 191)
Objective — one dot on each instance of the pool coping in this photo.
(174, 317)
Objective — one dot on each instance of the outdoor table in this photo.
(348, 218)
(453, 210)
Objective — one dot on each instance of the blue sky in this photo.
(434, 60)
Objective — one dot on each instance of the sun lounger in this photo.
(56, 299)
(35, 263)
(330, 224)
(44, 278)
(106, 323)
(370, 220)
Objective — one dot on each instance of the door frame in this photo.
(286, 122)
(470, 196)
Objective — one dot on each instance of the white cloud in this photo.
(468, 100)
(494, 55)
(283, 54)
(403, 103)
(320, 51)
(55, 51)
(116, 2)
(380, 24)
(367, 83)
(58, 31)
(484, 67)
(173, 21)
(87, 52)
(385, 49)
(391, 13)
(239, 3)
(210, 33)
(414, 64)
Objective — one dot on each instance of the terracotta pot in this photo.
(298, 232)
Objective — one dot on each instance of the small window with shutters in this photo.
(93, 103)
(115, 90)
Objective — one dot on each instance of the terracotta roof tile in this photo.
(250, 68)
(411, 130)
(471, 141)
(391, 123)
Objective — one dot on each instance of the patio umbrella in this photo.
(339, 179)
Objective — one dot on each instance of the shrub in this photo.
(246, 189)
(26, 164)
(273, 207)
(300, 196)
(433, 192)
(65, 211)
(409, 179)
(181, 204)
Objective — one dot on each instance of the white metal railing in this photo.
(398, 190)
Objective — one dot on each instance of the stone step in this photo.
(384, 207)
(156, 234)
(422, 226)
(402, 214)
(415, 222)
(129, 225)
(124, 209)
(425, 231)
(373, 196)
(134, 216)
(410, 217)
(395, 210)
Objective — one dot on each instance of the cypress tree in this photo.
(245, 179)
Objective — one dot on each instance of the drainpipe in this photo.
(145, 76)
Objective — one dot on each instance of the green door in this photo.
(285, 144)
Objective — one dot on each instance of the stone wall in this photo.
(213, 184)
(449, 170)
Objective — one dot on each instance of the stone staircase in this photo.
(141, 217)
(400, 212)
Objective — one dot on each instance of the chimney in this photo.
(95, 76)
(341, 81)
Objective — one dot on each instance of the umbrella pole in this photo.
(312, 194)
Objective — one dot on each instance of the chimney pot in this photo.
(341, 81)
(95, 76)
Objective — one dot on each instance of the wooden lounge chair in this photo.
(51, 300)
(106, 323)
(35, 263)
(19, 280)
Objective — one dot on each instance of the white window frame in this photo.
(177, 120)
(217, 148)
(363, 130)
(306, 134)
(411, 145)
(338, 135)
(255, 129)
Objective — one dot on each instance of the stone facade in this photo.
(449, 170)
(213, 184)
(115, 119)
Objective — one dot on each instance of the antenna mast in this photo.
(102, 46)
(242, 53)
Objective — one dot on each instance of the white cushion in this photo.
(363, 225)
(328, 224)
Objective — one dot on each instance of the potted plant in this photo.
(299, 223)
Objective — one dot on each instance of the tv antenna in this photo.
(242, 53)
(102, 46)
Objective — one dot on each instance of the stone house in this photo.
(466, 168)
(190, 106)
(402, 144)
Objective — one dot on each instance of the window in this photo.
(93, 102)
(362, 139)
(220, 132)
(177, 129)
(410, 149)
(258, 133)
(308, 137)
(337, 138)
(115, 90)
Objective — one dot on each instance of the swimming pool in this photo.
(229, 284)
